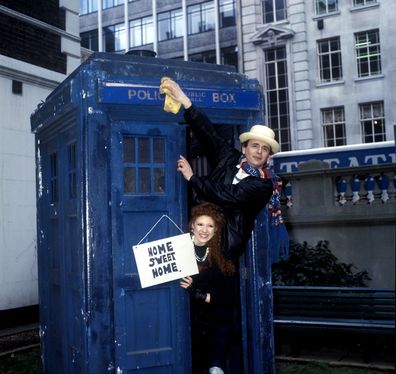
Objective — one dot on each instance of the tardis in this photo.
(106, 155)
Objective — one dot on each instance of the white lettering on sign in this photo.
(287, 167)
(196, 96)
(223, 97)
(142, 94)
(344, 160)
(353, 161)
(374, 159)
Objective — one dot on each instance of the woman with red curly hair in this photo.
(212, 292)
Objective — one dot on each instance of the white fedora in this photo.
(263, 133)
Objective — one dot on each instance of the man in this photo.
(239, 182)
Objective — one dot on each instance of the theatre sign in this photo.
(338, 157)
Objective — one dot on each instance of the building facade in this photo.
(189, 30)
(325, 65)
(39, 46)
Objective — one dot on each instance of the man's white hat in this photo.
(263, 133)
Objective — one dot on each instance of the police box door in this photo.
(152, 324)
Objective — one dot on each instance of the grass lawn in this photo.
(29, 363)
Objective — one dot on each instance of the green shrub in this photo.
(316, 266)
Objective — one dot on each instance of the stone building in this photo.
(39, 46)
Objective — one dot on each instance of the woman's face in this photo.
(203, 229)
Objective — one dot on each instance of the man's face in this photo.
(257, 153)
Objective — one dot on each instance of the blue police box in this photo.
(106, 156)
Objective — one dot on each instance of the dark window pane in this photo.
(54, 177)
(159, 150)
(159, 180)
(129, 149)
(144, 150)
(144, 180)
(72, 171)
(129, 180)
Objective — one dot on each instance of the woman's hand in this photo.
(186, 282)
(171, 88)
(184, 167)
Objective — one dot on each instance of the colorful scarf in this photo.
(279, 238)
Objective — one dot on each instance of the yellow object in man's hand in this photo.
(170, 105)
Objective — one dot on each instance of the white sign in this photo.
(165, 260)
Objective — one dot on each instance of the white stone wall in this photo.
(307, 94)
(18, 264)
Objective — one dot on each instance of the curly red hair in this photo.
(215, 254)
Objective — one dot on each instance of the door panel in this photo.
(60, 254)
(151, 324)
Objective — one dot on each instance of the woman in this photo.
(212, 292)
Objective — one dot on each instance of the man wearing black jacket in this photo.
(239, 182)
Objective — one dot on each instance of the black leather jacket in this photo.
(240, 202)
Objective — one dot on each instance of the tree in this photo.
(316, 266)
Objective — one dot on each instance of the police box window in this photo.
(144, 165)
(72, 170)
(54, 177)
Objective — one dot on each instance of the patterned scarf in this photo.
(279, 238)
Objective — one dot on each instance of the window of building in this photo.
(170, 25)
(333, 123)
(112, 3)
(144, 165)
(206, 56)
(89, 40)
(88, 6)
(228, 56)
(368, 53)
(114, 38)
(326, 6)
(141, 31)
(372, 122)
(227, 13)
(17, 87)
(200, 18)
(363, 2)
(330, 64)
(277, 93)
(274, 10)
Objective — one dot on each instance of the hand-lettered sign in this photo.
(165, 260)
